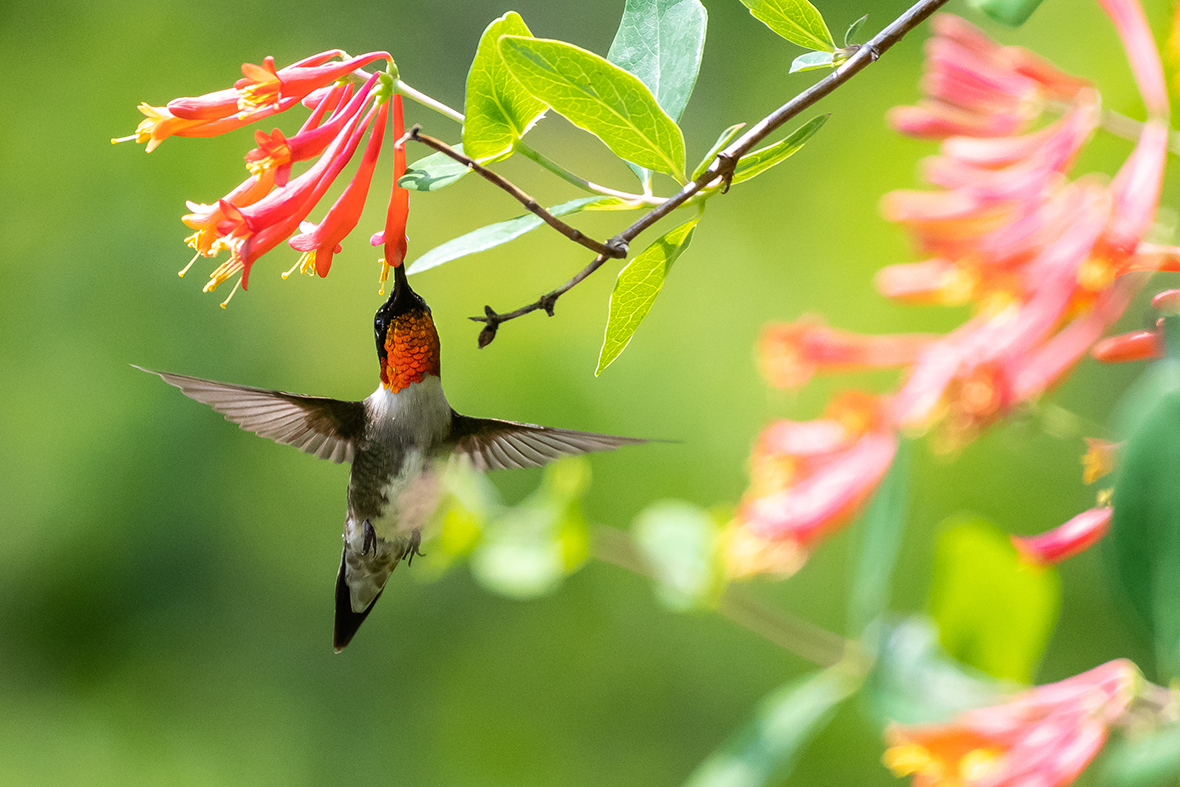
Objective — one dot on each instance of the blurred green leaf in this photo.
(1142, 760)
(882, 527)
(786, 720)
(853, 29)
(598, 96)
(1013, 13)
(1145, 530)
(660, 42)
(810, 61)
(636, 289)
(433, 172)
(798, 21)
(499, 111)
(994, 611)
(721, 142)
(494, 235)
(913, 681)
(758, 161)
(678, 541)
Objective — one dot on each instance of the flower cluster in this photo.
(347, 104)
(1045, 736)
(1043, 259)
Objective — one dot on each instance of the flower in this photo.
(1062, 542)
(1045, 736)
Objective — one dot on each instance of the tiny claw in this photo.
(370, 539)
(412, 549)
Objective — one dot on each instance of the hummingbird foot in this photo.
(370, 543)
(412, 549)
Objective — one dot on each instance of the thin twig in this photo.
(796, 635)
(725, 162)
(615, 249)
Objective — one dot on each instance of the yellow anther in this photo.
(237, 284)
(184, 270)
(979, 764)
(907, 759)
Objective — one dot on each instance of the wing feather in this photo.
(492, 444)
(325, 428)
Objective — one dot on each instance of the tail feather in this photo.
(347, 621)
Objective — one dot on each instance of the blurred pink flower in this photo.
(1062, 542)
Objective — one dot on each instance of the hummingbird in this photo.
(397, 440)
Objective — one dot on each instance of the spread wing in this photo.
(326, 428)
(490, 444)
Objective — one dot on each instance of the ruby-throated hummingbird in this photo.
(397, 440)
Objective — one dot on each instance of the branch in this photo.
(613, 249)
(726, 161)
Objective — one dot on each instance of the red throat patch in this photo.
(411, 350)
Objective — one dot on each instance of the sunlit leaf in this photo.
(882, 526)
(499, 111)
(494, 235)
(636, 289)
(810, 61)
(660, 42)
(1013, 13)
(913, 681)
(994, 611)
(721, 142)
(1145, 530)
(786, 720)
(678, 541)
(598, 96)
(760, 160)
(853, 29)
(798, 21)
(433, 172)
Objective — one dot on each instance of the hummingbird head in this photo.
(407, 344)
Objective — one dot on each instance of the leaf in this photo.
(798, 21)
(882, 526)
(1013, 13)
(760, 160)
(721, 142)
(636, 289)
(810, 61)
(598, 96)
(433, 172)
(678, 541)
(499, 111)
(994, 611)
(853, 29)
(494, 235)
(1144, 536)
(785, 721)
(660, 42)
(1144, 760)
(913, 681)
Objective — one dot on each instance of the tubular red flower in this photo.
(264, 85)
(791, 353)
(1063, 542)
(1133, 346)
(394, 237)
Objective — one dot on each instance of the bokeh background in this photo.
(166, 580)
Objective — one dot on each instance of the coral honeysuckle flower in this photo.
(394, 234)
(206, 218)
(276, 152)
(161, 124)
(1133, 346)
(1045, 737)
(262, 85)
(1064, 541)
(319, 242)
(790, 354)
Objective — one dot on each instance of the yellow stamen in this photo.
(979, 764)
(237, 284)
(224, 271)
(131, 138)
(1096, 274)
(384, 276)
(907, 759)
(1104, 496)
(184, 270)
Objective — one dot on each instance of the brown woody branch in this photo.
(725, 162)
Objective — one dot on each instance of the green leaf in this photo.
(994, 611)
(598, 96)
(636, 289)
(913, 681)
(1144, 760)
(1145, 530)
(494, 235)
(795, 20)
(853, 29)
(721, 142)
(678, 541)
(499, 110)
(810, 61)
(1013, 13)
(785, 721)
(433, 172)
(660, 42)
(882, 526)
(763, 159)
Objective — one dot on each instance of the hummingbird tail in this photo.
(347, 621)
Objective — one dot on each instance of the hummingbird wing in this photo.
(326, 428)
(492, 444)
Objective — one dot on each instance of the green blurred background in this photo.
(166, 580)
